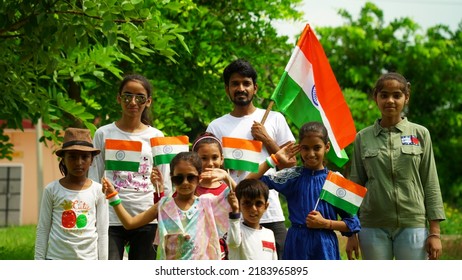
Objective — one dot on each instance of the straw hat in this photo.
(77, 139)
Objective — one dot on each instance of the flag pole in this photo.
(228, 179)
(316, 206)
(270, 105)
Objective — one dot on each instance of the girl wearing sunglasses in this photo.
(189, 225)
(135, 188)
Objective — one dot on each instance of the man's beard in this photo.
(242, 103)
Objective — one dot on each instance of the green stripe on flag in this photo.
(339, 202)
(339, 161)
(163, 159)
(294, 103)
(241, 165)
(122, 165)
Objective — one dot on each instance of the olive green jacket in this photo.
(398, 169)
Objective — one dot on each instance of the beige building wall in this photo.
(26, 156)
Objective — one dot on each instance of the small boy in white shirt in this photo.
(247, 239)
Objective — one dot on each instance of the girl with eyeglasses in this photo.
(189, 225)
(135, 188)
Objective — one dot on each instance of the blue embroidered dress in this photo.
(301, 188)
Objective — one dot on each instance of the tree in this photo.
(63, 59)
(190, 93)
(54, 52)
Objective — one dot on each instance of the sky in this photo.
(426, 13)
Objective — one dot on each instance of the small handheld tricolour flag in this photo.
(342, 193)
(164, 149)
(241, 154)
(122, 155)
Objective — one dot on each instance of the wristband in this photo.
(276, 162)
(270, 162)
(111, 194)
(115, 202)
(114, 198)
(233, 215)
(158, 196)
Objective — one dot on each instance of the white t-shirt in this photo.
(245, 243)
(277, 128)
(73, 225)
(135, 188)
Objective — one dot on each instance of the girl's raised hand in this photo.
(214, 174)
(157, 180)
(287, 153)
(108, 187)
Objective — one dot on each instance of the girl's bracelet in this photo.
(112, 194)
(270, 162)
(276, 162)
(115, 202)
(435, 235)
(114, 198)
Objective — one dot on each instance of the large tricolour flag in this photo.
(308, 91)
(241, 154)
(342, 193)
(164, 149)
(122, 155)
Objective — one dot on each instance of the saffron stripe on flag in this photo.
(173, 140)
(346, 184)
(126, 145)
(243, 144)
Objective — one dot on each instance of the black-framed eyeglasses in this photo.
(179, 179)
(128, 97)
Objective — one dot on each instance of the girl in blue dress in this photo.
(311, 235)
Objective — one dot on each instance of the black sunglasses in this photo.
(128, 97)
(179, 179)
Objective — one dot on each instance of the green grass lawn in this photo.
(17, 243)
